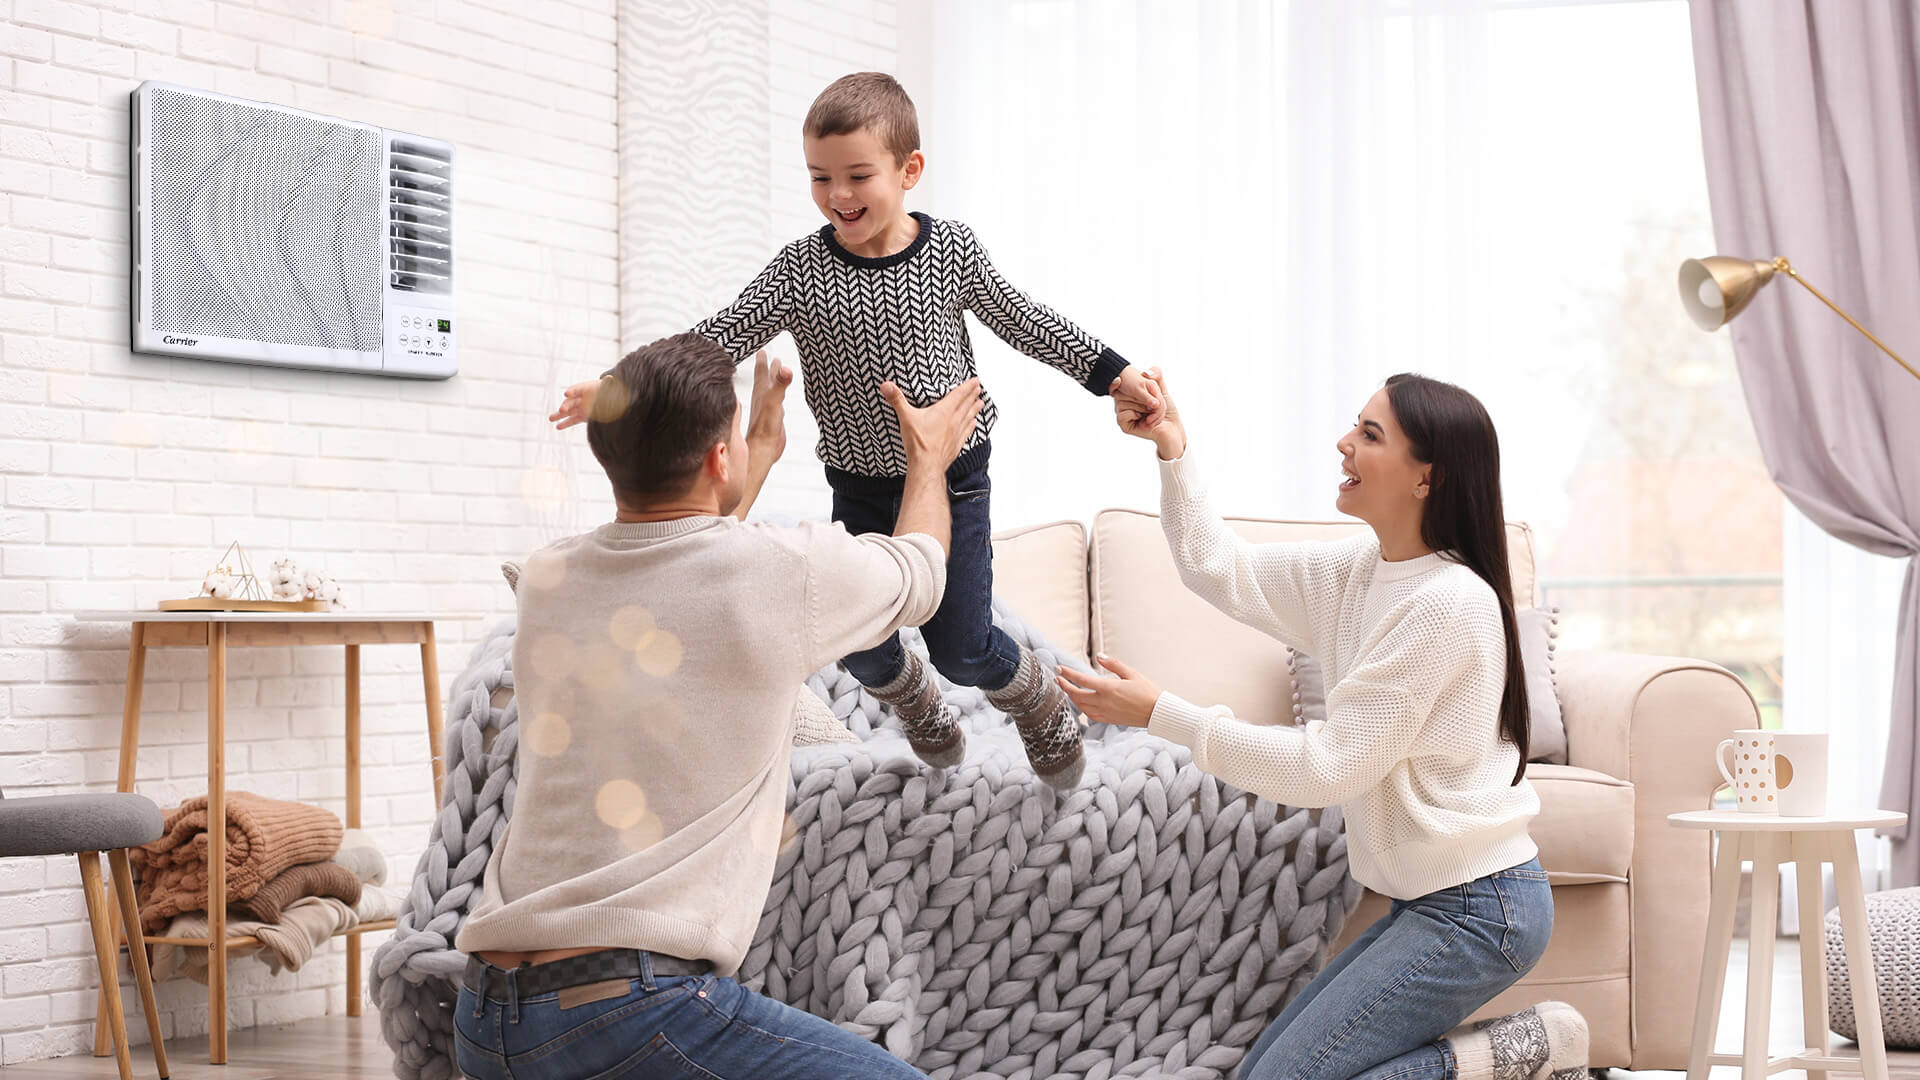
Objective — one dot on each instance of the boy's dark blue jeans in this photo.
(962, 641)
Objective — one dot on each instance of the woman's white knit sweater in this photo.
(1415, 662)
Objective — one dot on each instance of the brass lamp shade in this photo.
(1717, 288)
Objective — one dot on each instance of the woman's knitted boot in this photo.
(1546, 1042)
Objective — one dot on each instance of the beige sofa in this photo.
(1630, 892)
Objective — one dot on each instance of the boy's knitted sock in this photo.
(1048, 723)
(931, 729)
(1546, 1042)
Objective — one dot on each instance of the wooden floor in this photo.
(331, 1048)
(337, 1048)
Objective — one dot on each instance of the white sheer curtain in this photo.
(1282, 204)
(1842, 607)
(1128, 164)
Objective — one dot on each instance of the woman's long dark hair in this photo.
(1450, 430)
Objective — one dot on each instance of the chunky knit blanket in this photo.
(974, 922)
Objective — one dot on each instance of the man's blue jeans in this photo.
(664, 1026)
(1379, 1009)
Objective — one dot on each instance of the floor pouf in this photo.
(1893, 924)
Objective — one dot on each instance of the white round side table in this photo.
(1767, 841)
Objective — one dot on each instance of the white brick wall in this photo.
(122, 476)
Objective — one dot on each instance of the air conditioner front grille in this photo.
(264, 227)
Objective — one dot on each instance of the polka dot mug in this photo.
(1747, 761)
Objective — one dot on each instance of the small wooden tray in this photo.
(215, 603)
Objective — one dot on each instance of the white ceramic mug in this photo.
(1746, 760)
(1800, 772)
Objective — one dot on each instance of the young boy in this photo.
(876, 295)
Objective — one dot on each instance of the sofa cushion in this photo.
(1585, 827)
(1142, 614)
(1041, 571)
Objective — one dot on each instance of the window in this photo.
(1284, 204)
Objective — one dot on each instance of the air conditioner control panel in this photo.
(420, 341)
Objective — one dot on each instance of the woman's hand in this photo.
(1127, 700)
(1135, 415)
(576, 406)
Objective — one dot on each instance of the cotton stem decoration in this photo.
(289, 582)
(233, 579)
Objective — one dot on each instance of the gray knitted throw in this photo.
(975, 923)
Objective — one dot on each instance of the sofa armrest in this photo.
(1655, 721)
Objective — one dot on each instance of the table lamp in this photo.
(1717, 288)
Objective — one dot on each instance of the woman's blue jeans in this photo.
(1379, 1009)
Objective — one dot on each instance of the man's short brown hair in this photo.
(867, 100)
(658, 413)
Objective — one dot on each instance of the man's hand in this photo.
(934, 436)
(1132, 414)
(767, 413)
(1138, 390)
(576, 406)
(1127, 700)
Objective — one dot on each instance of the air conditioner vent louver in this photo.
(419, 217)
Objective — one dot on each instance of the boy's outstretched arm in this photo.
(1042, 333)
(741, 328)
(756, 315)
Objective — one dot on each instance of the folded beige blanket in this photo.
(265, 838)
(303, 929)
(307, 879)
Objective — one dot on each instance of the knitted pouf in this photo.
(1893, 926)
(975, 923)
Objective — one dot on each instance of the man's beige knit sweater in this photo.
(654, 668)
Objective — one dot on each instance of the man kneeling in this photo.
(655, 664)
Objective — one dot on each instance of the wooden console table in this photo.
(217, 631)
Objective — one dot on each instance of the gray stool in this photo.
(85, 826)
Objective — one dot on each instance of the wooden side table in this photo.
(1768, 841)
(218, 631)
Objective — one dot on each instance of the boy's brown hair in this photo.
(867, 100)
(658, 413)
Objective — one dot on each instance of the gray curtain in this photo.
(1810, 115)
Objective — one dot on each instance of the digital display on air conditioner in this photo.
(446, 326)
